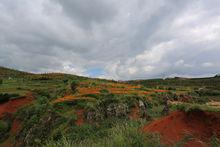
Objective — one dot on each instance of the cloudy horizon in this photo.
(121, 40)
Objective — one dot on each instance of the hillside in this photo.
(213, 82)
(56, 109)
(7, 72)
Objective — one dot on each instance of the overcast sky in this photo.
(116, 39)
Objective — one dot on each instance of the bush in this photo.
(65, 81)
(1, 81)
(41, 93)
(39, 121)
(104, 91)
(73, 86)
(3, 126)
(4, 129)
(4, 97)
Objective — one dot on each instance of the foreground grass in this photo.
(127, 134)
(188, 107)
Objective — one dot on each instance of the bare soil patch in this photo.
(12, 105)
(174, 127)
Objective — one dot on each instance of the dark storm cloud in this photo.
(87, 12)
(123, 39)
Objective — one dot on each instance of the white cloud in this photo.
(207, 64)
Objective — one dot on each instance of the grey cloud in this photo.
(87, 12)
(128, 39)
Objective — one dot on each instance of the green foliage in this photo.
(104, 91)
(4, 97)
(4, 129)
(73, 86)
(39, 120)
(187, 107)
(214, 141)
(3, 126)
(208, 92)
(41, 93)
(1, 82)
(120, 134)
(65, 81)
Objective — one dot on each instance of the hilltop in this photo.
(7, 72)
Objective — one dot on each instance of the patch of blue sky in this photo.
(95, 72)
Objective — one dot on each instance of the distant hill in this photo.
(7, 73)
(180, 82)
(13, 73)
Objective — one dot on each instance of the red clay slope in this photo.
(175, 126)
(12, 105)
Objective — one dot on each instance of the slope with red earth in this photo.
(174, 127)
(12, 105)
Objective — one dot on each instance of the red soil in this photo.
(175, 126)
(16, 126)
(89, 90)
(161, 90)
(80, 117)
(71, 98)
(12, 105)
(147, 92)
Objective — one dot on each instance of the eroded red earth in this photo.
(12, 105)
(174, 127)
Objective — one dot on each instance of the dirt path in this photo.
(177, 125)
(12, 105)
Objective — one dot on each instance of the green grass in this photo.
(120, 135)
(188, 107)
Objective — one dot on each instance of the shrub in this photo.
(65, 81)
(105, 91)
(39, 120)
(1, 81)
(4, 129)
(73, 86)
(41, 93)
(4, 97)
(3, 126)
